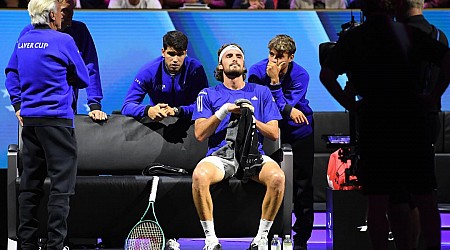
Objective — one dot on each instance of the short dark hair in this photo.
(218, 73)
(175, 39)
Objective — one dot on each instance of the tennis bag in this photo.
(158, 169)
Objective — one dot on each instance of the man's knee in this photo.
(199, 175)
(203, 174)
(276, 178)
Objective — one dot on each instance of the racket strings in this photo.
(147, 235)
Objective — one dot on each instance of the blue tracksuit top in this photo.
(178, 90)
(83, 39)
(44, 57)
(291, 93)
(211, 99)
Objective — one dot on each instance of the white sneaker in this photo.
(212, 246)
(255, 244)
(172, 244)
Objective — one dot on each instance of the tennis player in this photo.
(211, 116)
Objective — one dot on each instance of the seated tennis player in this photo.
(212, 116)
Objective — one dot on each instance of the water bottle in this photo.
(287, 242)
(263, 244)
(275, 244)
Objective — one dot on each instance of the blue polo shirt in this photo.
(210, 100)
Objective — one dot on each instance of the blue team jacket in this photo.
(178, 90)
(291, 93)
(85, 44)
(44, 58)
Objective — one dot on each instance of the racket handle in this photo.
(154, 189)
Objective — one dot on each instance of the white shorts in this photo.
(229, 167)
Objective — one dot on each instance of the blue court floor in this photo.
(233, 244)
(318, 240)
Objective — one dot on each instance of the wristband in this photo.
(222, 112)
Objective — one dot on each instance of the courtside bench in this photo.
(111, 194)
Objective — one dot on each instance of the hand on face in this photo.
(273, 70)
(278, 63)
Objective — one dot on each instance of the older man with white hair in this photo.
(44, 56)
(85, 44)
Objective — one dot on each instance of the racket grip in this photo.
(154, 189)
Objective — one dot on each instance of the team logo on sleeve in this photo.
(200, 100)
(200, 103)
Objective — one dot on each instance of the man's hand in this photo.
(19, 117)
(244, 103)
(298, 117)
(98, 115)
(249, 106)
(158, 112)
(233, 108)
(273, 71)
(169, 111)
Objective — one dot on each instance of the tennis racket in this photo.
(147, 234)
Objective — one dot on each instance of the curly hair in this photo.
(282, 44)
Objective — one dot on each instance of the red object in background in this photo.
(336, 173)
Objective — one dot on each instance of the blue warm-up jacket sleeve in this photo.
(12, 81)
(89, 54)
(200, 82)
(75, 60)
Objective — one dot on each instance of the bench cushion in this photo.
(121, 145)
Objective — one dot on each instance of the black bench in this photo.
(111, 194)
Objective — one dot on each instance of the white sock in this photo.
(264, 228)
(208, 229)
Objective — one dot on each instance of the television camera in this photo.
(347, 143)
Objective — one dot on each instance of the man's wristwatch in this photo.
(176, 111)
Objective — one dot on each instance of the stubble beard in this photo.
(233, 73)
